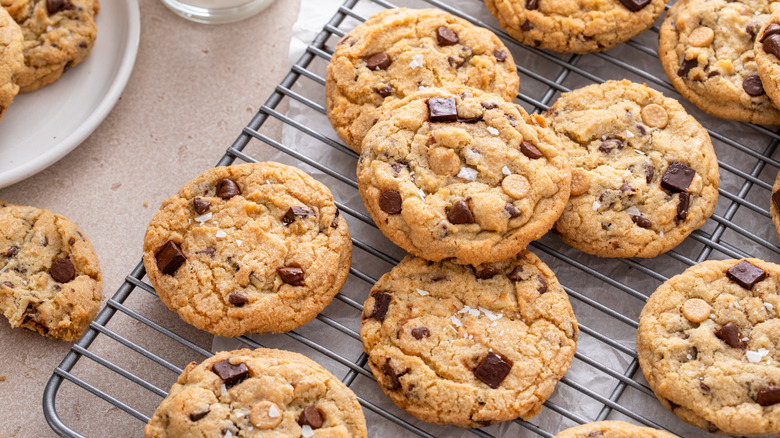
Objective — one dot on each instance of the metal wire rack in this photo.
(607, 295)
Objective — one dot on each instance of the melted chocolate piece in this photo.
(776, 200)
(677, 177)
(207, 251)
(379, 61)
(512, 210)
(772, 29)
(686, 66)
(54, 6)
(420, 332)
(771, 44)
(641, 221)
(487, 272)
(381, 304)
(542, 284)
(746, 274)
(390, 202)
(227, 188)
(768, 396)
(11, 251)
(730, 334)
(460, 214)
(201, 205)
(195, 416)
(8, 284)
(62, 270)
(291, 275)
(229, 373)
(610, 145)
(500, 55)
(492, 370)
(489, 105)
(516, 274)
(384, 90)
(529, 150)
(635, 5)
(446, 36)
(311, 416)
(753, 86)
(389, 371)
(294, 213)
(442, 110)
(169, 258)
(532, 5)
(237, 299)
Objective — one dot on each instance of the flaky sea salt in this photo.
(456, 321)
(468, 173)
(273, 412)
(221, 234)
(422, 292)
(629, 134)
(633, 211)
(227, 434)
(492, 130)
(506, 171)
(491, 316)
(307, 431)
(421, 193)
(639, 152)
(627, 173)
(756, 356)
(596, 205)
(417, 61)
(769, 306)
(204, 218)
(239, 243)
(474, 313)
(223, 389)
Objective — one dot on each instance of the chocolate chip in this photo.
(379, 61)
(8, 284)
(529, 150)
(291, 275)
(389, 371)
(776, 200)
(772, 29)
(201, 205)
(390, 202)
(487, 272)
(381, 304)
(460, 214)
(610, 145)
(471, 120)
(512, 210)
(294, 213)
(649, 172)
(753, 86)
(542, 284)
(516, 274)
(682, 207)
(229, 373)
(677, 177)
(54, 6)
(746, 274)
(446, 36)
(311, 416)
(492, 370)
(532, 5)
(526, 26)
(752, 30)
(768, 396)
(489, 105)
(713, 73)
(71, 241)
(335, 223)
(704, 387)
(195, 416)
(62, 270)
(208, 251)
(730, 334)
(686, 66)
(641, 221)
(237, 300)
(420, 332)
(442, 109)
(384, 90)
(455, 62)
(227, 188)
(169, 258)
(625, 188)
(11, 251)
(500, 55)
(635, 5)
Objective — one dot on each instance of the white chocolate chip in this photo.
(444, 161)
(265, 415)
(580, 182)
(655, 116)
(702, 36)
(696, 310)
(516, 186)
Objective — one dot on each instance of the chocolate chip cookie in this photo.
(469, 346)
(11, 59)
(767, 51)
(58, 34)
(578, 26)
(250, 248)
(708, 345)
(613, 429)
(459, 173)
(397, 52)
(644, 173)
(774, 204)
(259, 392)
(706, 49)
(50, 279)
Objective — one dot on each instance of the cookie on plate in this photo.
(767, 51)
(578, 26)
(458, 173)
(774, 205)
(706, 49)
(261, 392)
(644, 173)
(250, 248)
(11, 59)
(708, 345)
(613, 429)
(58, 34)
(50, 280)
(469, 346)
(397, 52)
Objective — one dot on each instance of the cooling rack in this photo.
(604, 381)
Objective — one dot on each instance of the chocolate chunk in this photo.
(641, 221)
(207, 251)
(487, 272)
(460, 214)
(229, 373)
(610, 145)
(169, 258)
(635, 5)
(455, 62)
(390, 202)
(335, 223)
(686, 66)
(489, 105)
(446, 36)
(526, 26)
(237, 299)
(442, 109)
(753, 86)
(420, 332)
(776, 200)
(389, 371)
(682, 207)
(542, 284)
(8, 284)
(516, 274)
(746, 274)
(311, 416)
(294, 213)
(201, 205)
(512, 210)
(54, 6)
(11, 251)
(625, 188)
(649, 172)
(768, 396)
(730, 334)
(195, 416)
(291, 275)
(471, 120)
(532, 5)
(500, 55)
(492, 370)
(227, 188)
(379, 61)
(384, 90)
(529, 150)
(677, 177)
(381, 304)
(62, 270)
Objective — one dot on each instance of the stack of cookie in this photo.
(40, 40)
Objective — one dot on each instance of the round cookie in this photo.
(706, 49)
(644, 173)
(613, 429)
(576, 26)
(11, 59)
(767, 51)
(58, 34)
(50, 279)
(774, 205)
(469, 346)
(261, 392)
(458, 173)
(250, 248)
(397, 52)
(708, 345)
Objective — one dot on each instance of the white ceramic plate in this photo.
(41, 127)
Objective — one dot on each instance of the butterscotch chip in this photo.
(696, 310)
(701, 37)
(444, 161)
(265, 415)
(655, 116)
(516, 186)
(580, 182)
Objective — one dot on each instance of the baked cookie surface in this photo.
(708, 346)
(50, 280)
(644, 173)
(613, 429)
(458, 173)
(767, 52)
(58, 35)
(469, 346)
(397, 52)
(11, 59)
(706, 49)
(774, 204)
(258, 393)
(250, 248)
(575, 26)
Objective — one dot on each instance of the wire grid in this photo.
(603, 381)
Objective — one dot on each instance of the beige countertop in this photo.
(160, 134)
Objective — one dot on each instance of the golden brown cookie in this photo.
(613, 429)
(11, 59)
(774, 204)
(767, 52)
